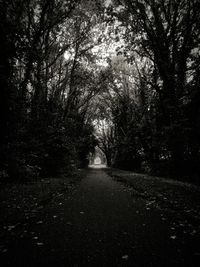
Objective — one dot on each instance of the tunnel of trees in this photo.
(123, 75)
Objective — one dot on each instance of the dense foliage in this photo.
(45, 85)
(154, 82)
(129, 69)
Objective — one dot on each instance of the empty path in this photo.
(102, 223)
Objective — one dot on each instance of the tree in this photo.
(167, 33)
(47, 93)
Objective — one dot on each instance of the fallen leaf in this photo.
(193, 232)
(40, 244)
(33, 211)
(125, 257)
(173, 237)
(11, 227)
(39, 222)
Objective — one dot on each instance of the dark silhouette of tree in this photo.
(45, 95)
(166, 35)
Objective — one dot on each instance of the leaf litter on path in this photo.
(40, 243)
(125, 257)
(173, 237)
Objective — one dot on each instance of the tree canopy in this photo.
(120, 74)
